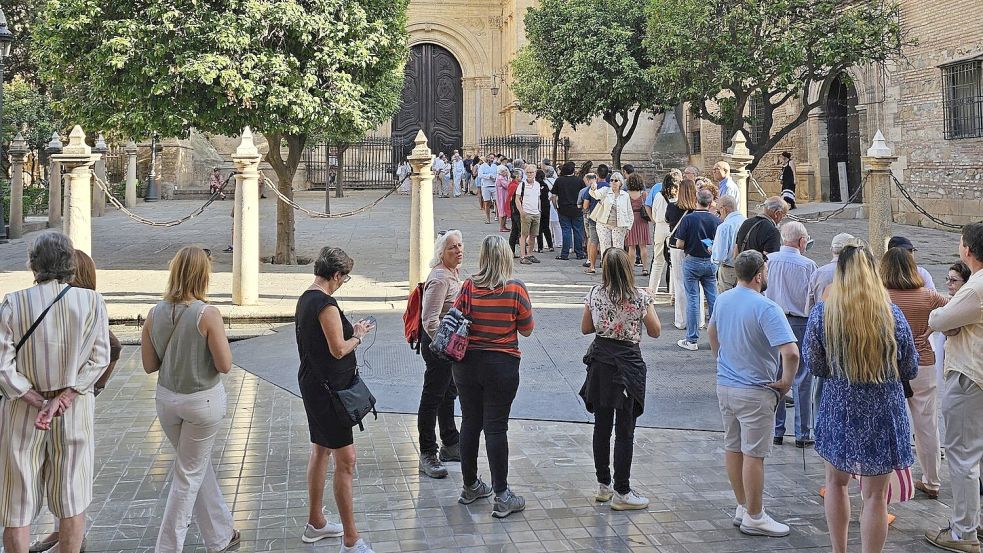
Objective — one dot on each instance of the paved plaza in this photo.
(261, 457)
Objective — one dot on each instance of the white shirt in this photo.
(487, 173)
(530, 197)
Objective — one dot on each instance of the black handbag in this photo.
(355, 401)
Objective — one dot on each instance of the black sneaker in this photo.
(474, 492)
(227, 250)
(778, 440)
(508, 503)
(802, 444)
(450, 453)
(431, 466)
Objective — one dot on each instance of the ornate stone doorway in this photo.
(843, 138)
(432, 100)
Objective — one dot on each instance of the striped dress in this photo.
(496, 315)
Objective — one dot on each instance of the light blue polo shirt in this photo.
(750, 328)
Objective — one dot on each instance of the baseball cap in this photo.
(901, 242)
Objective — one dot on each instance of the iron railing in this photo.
(527, 148)
(695, 142)
(367, 164)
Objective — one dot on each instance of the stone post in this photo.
(78, 158)
(421, 210)
(880, 212)
(131, 174)
(99, 172)
(245, 227)
(739, 157)
(54, 181)
(18, 153)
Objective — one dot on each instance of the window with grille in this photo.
(695, 145)
(962, 99)
(759, 134)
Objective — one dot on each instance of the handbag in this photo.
(356, 401)
(450, 342)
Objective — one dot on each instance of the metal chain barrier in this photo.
(270, 185)
(857, 194)
(921, 209)
(143, 220)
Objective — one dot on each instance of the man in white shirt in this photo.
(487, 173)
(440, 168)
(527, 201)
(722, 252)
(721, 175)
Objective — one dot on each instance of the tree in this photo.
(28, 110)
(595, 51)
(20, 19)
(780, 55)
(287, 68)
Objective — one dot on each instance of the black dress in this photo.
(788, 186)
(317, 367)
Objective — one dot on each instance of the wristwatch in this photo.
(359, 338)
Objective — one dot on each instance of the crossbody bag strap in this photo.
(37, 322)
(748, 235)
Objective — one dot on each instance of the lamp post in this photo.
(153, 194)
(6, 40)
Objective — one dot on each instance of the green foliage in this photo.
(592, 60)
(24, 105)
(35, 200)
(280, 66)
(20, 20)
(723, 53)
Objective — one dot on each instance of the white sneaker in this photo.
(631, 501)
(764, 526)
(739, 515)
(687, 345)
(604, 493)
(330, 530)
(359, 547)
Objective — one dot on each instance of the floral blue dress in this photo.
(862, 429)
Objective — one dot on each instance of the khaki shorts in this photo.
(748, 415)
(592, 232)
(529, 225)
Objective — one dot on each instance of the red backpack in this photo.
(413, 318)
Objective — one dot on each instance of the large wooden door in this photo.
(843, 138)
(432, 100)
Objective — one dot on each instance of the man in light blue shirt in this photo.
(750, 337)
(722, 253)
(721, 175)
(823, 276)
(789, 274)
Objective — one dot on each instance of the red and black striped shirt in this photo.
(496, 316)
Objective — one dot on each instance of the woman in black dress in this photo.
(788, 179)
(327, 341)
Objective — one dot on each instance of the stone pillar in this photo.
(54, 182)
(99, 172)
(245, 227)
(739, 157)
(18, 153)
(78, 158)
(421, 210)
(131, 174)
(880, 215)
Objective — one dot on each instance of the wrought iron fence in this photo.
(369, 163)
(528, 148)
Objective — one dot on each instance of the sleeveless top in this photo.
(316, 362)
(188, 366)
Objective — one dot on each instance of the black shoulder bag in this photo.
(356, 401)
(37, 322)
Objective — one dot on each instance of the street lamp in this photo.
(152, 194)
(6, 41)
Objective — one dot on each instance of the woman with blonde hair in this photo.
(615, 386)
(487, 377)
(684, 205)
(184, 342)
(613, 213)
(862, 345)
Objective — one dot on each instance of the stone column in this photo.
(54, 182)
(18, 153)
(131, 174)
(739, 157)
(78, 158)
(421, 210)
(880, 215)
(99, 172)
(245, 227)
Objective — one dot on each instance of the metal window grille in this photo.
(527, 148)
(695, 142)
(962, 99)
(369, 163)
(759, 133)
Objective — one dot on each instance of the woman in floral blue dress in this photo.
(862, 345)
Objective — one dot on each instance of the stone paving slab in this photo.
(261, 456)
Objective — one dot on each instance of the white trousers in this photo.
(191, 423)
(609, 237)
(658, 255)
(557, 233)
(962, 403)
(925, 419)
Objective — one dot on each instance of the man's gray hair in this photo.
(52, 257)
(693, 169)
(441, 244)
(704, 197)
(775, 204)
(793, 231)
(726, 202)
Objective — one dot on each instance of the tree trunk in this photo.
(339, 191)
(557, 129)
(619, 147)
(286, 249)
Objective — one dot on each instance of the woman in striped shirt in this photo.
(488, 377)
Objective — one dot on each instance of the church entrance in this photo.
(843, 139)
(432, 100)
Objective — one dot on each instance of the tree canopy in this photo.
(725, 54)
(597, 64)
(287, 68)
(26, 107)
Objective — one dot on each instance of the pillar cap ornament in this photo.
(879, 148)
(130, 148)
(247, 148)
(738, 147)
(100, 146)
(421, 152)
(76, 144)
(18, 146)
(55, 146)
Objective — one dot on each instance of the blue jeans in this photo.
(698, 271)
(573, 233)
(801, 390)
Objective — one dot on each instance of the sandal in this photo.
(590, 272)
(234, 542)
(645, 273)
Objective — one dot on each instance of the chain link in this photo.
(270, 185)
(165, 224)
(921, 209)
(819, 218)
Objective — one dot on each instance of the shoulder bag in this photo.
(450, 342)
(355, 401)
(37, 322)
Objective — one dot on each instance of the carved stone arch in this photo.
(466, 48)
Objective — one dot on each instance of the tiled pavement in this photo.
(262, 453)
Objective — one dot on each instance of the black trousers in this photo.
(514, 233)
(487, 382)
(436, 401)
(622, 421)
